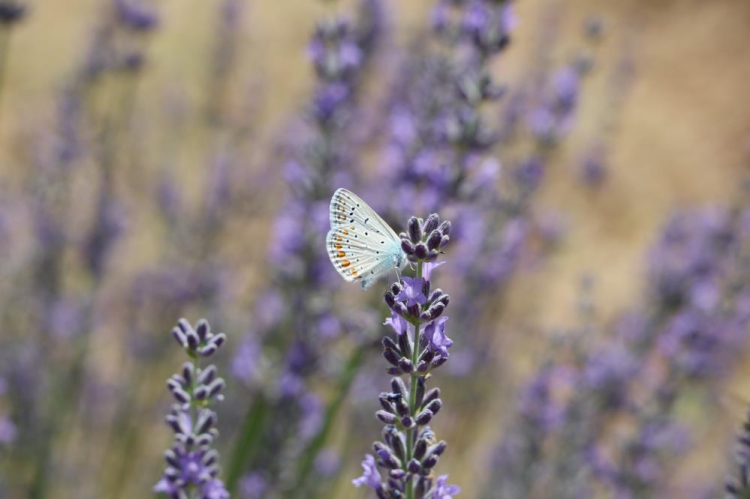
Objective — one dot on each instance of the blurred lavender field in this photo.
(573, 322)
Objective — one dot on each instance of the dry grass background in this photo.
(679, 136)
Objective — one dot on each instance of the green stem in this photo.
(413, 398)
(313, 449)
(194, 404)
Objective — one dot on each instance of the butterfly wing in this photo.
(361, 245)
(348, 210)
(352, 259)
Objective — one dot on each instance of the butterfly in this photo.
(361, 245)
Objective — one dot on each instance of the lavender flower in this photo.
(409, 451)
(738, 485)
(686, 333)
(192, 465)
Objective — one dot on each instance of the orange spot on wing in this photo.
(354, 273)
(338, 238)
(338, 246)
(346, 263)
(346, 232)
(341, 253)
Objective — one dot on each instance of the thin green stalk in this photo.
(413, 397)
(247, 443)
(313, 449)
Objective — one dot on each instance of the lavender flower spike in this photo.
(409, 450)
(192, 465)
(739, 485)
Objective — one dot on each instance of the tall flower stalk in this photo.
(409, 450)
(192, 465)
(319, 160)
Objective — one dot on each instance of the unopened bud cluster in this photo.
(395, 405)
(425, 238)
(192, 465)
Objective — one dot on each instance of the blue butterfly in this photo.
(361, 245)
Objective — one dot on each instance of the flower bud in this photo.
(391, 356)
(432, 394)
(424, 417)
(397, 474)
(415, 230)
(406, 365)
(433, 242)
(203, 329)
(179, 336)
(408, 247)
(188, 371)
(420, 392)
(414, 466)
(434, 406)
(404, 346)
(386, 417)
(420, 449)
(385, 403)
(207, 375)
(432, 223)
(387, 342)
(402, 408)
(399, 387)
(390, 299)
(420, 251)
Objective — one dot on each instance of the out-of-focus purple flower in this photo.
(328, 463)
(328, 101)
(134, 15)
(312, 415)
(529, 173)
(539, 404)
(11, 11)
(608, 373)
(593, 169)
(8, 431)
(334, 51)
(253, 486)
(444, 491)
(245, 361)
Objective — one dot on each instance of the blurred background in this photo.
(163, 159)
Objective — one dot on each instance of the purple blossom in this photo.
(435, 334)
(191, 462)
(370, 475)
(253, 486)
(412, 293)
(398, 323)
(444, 491)
(429, 267)
(8, 431)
